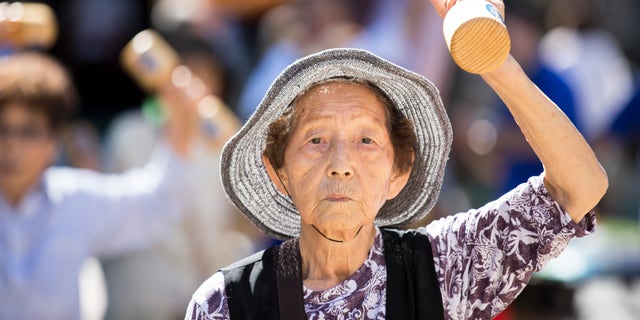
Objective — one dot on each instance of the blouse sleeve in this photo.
(485, 257)
(209, 302)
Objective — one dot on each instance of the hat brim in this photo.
(247, 182)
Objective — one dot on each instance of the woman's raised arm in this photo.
(572, 174)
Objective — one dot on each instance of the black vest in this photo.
(413, 290)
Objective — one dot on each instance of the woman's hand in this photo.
(443, 6)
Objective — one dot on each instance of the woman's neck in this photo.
(327, 262)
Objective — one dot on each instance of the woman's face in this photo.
(338, 164)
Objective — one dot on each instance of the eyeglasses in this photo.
(23, 134)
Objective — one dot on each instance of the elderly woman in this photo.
(345, 146)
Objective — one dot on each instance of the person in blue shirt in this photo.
(53, 218)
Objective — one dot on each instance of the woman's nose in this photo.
(340, 161)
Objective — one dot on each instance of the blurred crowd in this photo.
(584, 54)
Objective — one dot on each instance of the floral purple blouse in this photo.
(483, 257)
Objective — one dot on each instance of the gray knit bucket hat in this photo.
(247, 182)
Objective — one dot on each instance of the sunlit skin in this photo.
(23, 159)
(339, 171)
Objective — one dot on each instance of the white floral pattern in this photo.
(483, 258)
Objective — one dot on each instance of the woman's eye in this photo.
(316, 140)
(367, 140)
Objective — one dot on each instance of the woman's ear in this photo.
(278, 179)
(398, 181)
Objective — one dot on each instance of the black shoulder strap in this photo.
(250, 285)
(413, 290)
(289, 281)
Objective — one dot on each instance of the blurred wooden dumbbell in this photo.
(153, 63)
(26, 25)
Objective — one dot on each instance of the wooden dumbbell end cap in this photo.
(480, 45)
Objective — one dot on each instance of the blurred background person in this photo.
(590, 58)
(54, 218)
(157, 283)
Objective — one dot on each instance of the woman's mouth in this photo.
(337, 198)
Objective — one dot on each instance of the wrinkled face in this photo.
(27, 146)
(338, 164)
